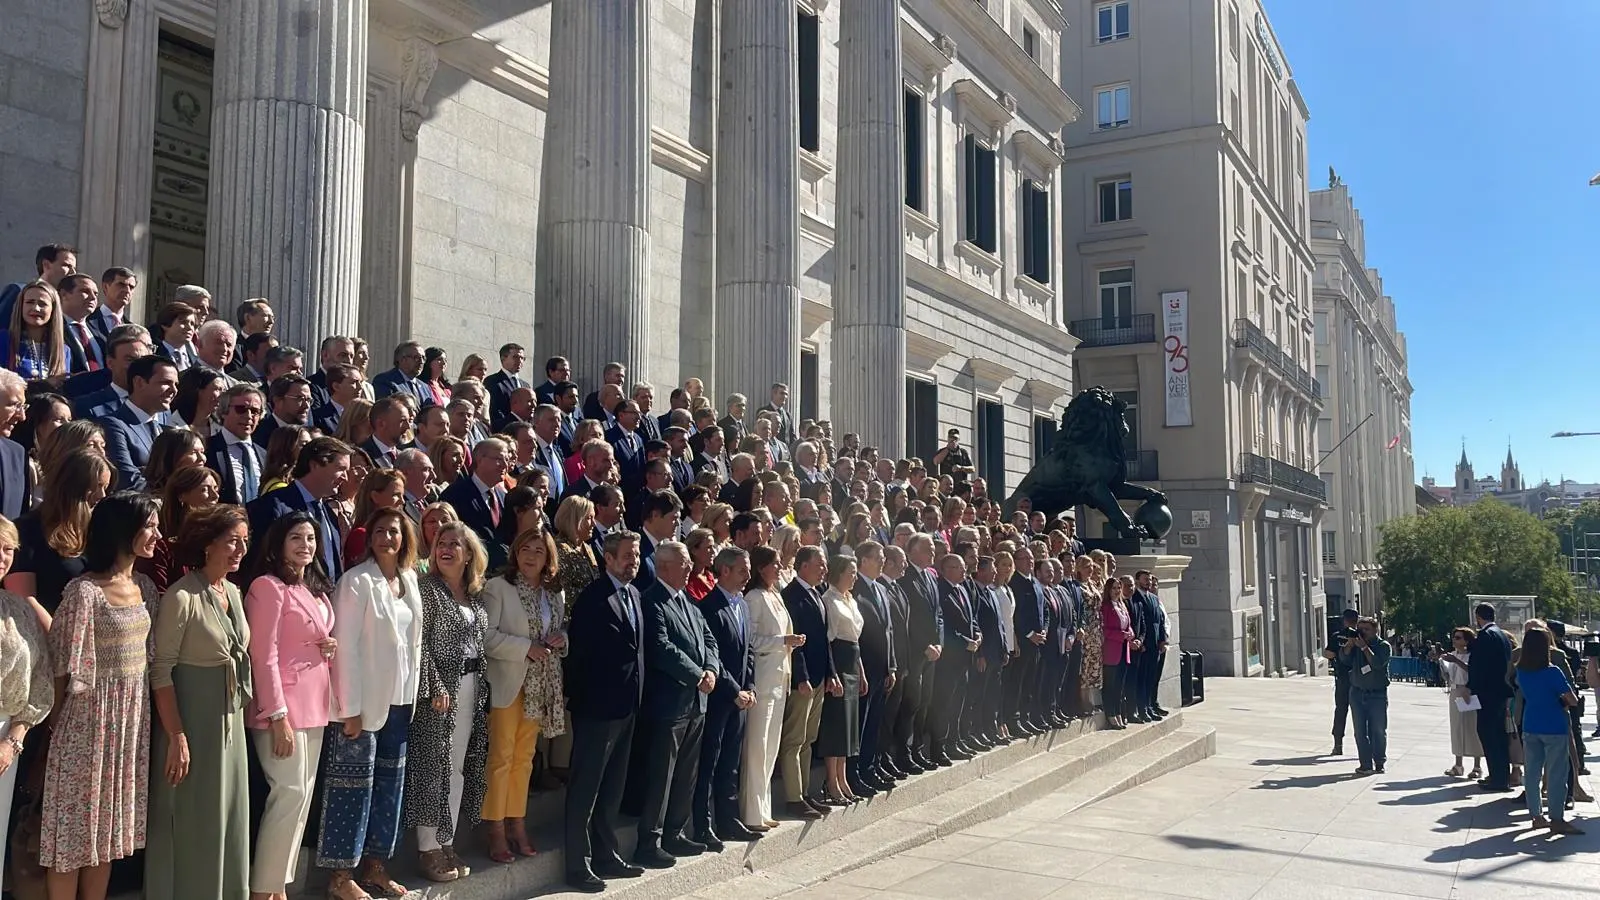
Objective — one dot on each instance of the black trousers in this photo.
(890, 745)
(1152, 678)
(983, 692)
(869, 714)
(716, 788)
(1052, 674)
(673, 748)
(914, 726)
(1341, 705)
(1492, 735)
(950, 690)
(1071, 687)
(1011, 690)
(1111, 688)
(600, 753)
(1024, 671)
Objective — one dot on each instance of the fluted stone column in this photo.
(869, 281)
(758, 187)
(593, 257)
(287, 145)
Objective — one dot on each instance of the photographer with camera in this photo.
(1341, 677)
(1367, 657)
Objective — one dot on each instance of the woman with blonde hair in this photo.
(78, 434)
(525, 641)
(449, 457)
(473, 367)
(702, 546)
(434, 517)
(355, 426)
(785, 540)
(576, 562)
(718, 518)
(52, 535)
(34, 344)
(26, 687)
(449, 735)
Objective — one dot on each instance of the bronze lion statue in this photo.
(1086, 465)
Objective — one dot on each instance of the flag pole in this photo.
(1343, 439)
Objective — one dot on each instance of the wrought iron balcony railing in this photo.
(1266, 470)
(1112, 331)
(1246, 334)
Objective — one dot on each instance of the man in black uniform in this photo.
(1341, 677)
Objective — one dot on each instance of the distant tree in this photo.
(1431, 563)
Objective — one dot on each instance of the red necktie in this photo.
(88, 346)
(494, 508)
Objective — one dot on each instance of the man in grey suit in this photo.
(681, 667)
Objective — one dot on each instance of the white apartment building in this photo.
(1364, 430)
(1186, 217)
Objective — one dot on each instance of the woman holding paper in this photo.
(1463, 722)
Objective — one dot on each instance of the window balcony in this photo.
(1247, 335)
(1114, 331)
(1255, 469)
(1144, 465)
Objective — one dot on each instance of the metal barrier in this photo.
(1410, 668)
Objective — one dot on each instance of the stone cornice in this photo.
(923, 351)
(923, 54)
(986, 106)
(1044, 394)
(988, 374)
(992, 35)
(1029, 146)
(983, 303)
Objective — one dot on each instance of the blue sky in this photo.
(1467, 133)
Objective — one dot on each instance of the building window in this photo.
(981, 178)
(1130, 441)
(1321, 329)
(1325, 434)
(991, 445)
(1112, 106)
(922, 419)
(1110, 22)
(810, 385)
(1330, 553)
(1035, 231)
(1116, 199)
(1030, 43)
(1322, 381)
(916, 152)
(1233, 30)
(1116, 298)
(1044, 437)
(810, 83)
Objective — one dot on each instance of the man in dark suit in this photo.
(677, 441)
(566, 400)
(16, 476)
(604, 682)
(1069, 524)
(708, 456)
(780, 407)
(391, 420)
(681, 669)
(131, 428)
(732, 424)
(344, 388)
(741, 468)
(117, 285)
(336, 350)
(877, 661)
(1030, 625)
(961, 641)
(96, 394)
(547, 452)
(993, 655)
(644, 396)
(479, 498)
(629, 446)
(500, 385)
(1146, 629)
(230, 452)
(716, 792)
(319, 473)
(598, 461)
(80, 297)
(289, 403)
(811, 674)
(917, 724)
(408, 359)
(557, 371)
(891, 743)
(614, 374)
(1072, 601)
(1486, 678)
(659, 514)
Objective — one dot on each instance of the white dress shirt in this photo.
(844, 617)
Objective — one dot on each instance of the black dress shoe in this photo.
(890, 772)
(956, 751)
(733, 832)
(585, 881)
(654, 858)
(1139, 719)
(979, 742)
(942, 761)
(802, 810)
(711, 842)
(881, 782)
(617, 867)
(819, 804)
(910, 766)
(860, 789)
(1338, 748)
(678, 845)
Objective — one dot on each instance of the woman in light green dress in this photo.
(199, 841)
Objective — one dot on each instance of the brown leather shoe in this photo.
(373, 876)
(462, 869)
(435, 867)
(341, 886)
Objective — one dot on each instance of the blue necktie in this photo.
(252, 479)
(328, 537)
(627, 607)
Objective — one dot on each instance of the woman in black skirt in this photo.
(839, 736)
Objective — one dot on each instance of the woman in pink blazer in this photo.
(1119, 642)
(291, 648)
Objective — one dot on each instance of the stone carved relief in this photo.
(946, 45)
(418, 63)
(112, 13)
(1007, 101)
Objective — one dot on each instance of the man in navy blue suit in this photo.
(117, 285)
(877, 661)
(594, 405)
(319, 473)
(961, 642)
(917, 719)
(230, 452)
(502, 384)
(604, 682)
(403, 377)
(80, 297)
(557, 371)
(96, 394)
(566, 400)
(628, 443)
(659, 514)
(344, 388)
(131, 428)
(480, 497)
(16, 476)
(335, 350)
(716, 794)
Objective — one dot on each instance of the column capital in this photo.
(419, 61)
(111, 13)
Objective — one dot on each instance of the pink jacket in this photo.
(1118, 631)
(287, 667)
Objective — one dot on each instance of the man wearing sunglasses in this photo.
(230, 450)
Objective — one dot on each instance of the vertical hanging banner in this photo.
(1175, 346)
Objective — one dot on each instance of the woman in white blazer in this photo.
(771, 640)
(378, 625)
(525, 642)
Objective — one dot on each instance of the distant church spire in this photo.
(1510, 475)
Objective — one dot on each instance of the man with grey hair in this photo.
(197, 297)
(716, 792)
(336, 350)
(231, 451)
(479, 497)
(732, 424)
(214, 344)
(255, 316)
(681, 670)
(644, 394)
(16, 479)
(417, 469)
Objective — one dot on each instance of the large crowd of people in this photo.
(248, 606)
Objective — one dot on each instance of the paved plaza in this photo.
(1269, 816)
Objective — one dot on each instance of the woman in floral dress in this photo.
(1093, 578)
(97, 771)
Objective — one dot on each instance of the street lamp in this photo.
(1565, 434)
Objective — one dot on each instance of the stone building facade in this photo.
(1364, 431)
(860, 199)
(1186, 207)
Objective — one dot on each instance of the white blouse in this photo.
(844, 617)
(1456, 673)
